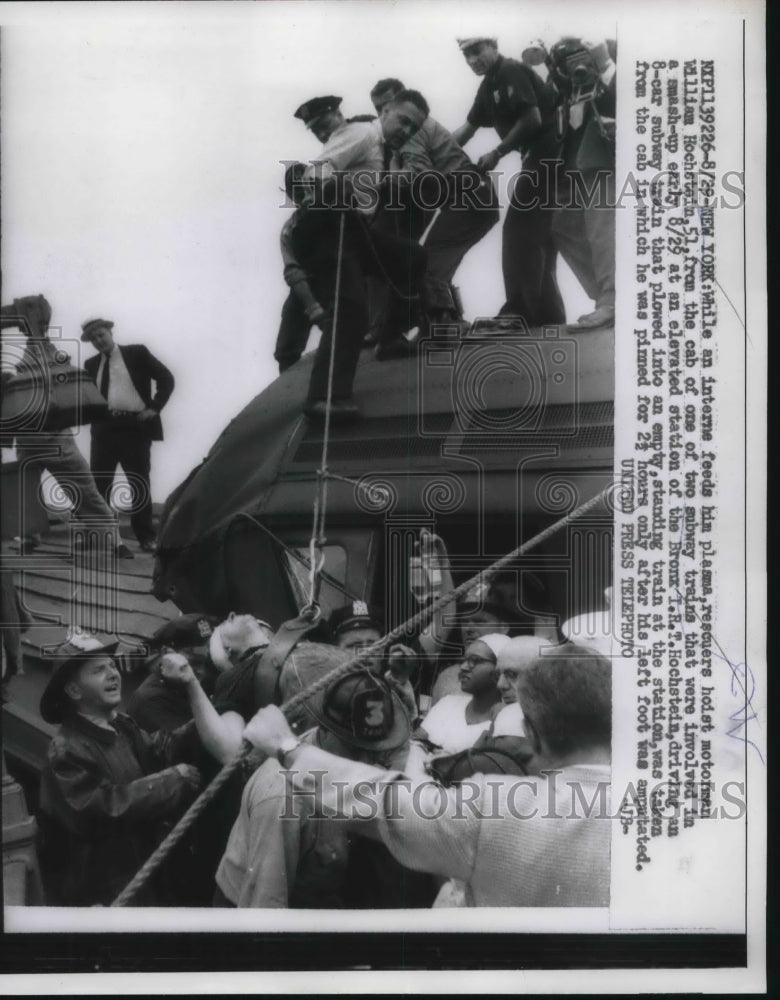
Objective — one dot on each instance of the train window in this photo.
(333, 582)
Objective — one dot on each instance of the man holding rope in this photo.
(281, 852)
(539, 840)
(434, 170)
(336, 247)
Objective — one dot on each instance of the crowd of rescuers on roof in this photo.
(417, 778)
(412, 204)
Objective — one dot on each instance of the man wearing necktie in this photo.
(124, 376)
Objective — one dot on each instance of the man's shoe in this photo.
(341, 410)
(148, 546)
(122, 552)
(602, 316)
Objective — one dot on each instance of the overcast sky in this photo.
(140, 168)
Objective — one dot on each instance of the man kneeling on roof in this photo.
(280, 853)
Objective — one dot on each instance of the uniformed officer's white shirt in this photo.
(122, 394)
(354, 148)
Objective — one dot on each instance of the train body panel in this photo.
(485, 440)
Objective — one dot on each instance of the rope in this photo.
(316, 555)
(421, 619)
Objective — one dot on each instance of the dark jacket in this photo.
(105, 798)
(588, 148)
(143, 368)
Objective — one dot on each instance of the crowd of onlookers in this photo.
(483, 701)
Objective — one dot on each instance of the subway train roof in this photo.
(490, 391)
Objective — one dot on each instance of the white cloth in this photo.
(446, 724)
(122, 394)
(589, 630)
(510, 721)
(356, 147)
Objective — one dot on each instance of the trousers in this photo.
(584, 233)
(57, 453)
(131, 448)
(528, 251)
(365, 253)
(294, 330)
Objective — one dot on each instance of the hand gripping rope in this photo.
(420, 620)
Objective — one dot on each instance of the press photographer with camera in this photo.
(584, 75)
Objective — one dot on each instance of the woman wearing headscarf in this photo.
(456, 721)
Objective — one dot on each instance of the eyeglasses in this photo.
(474, 661)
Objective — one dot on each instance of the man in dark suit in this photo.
(124, 376)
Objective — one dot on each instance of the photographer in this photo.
(584, 222)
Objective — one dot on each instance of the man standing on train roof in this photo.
(521, 107)
(124, 376)
(345, 178)
(469, 212)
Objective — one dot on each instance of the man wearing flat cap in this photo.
(521, 107)
(345, 179)
(124, 376)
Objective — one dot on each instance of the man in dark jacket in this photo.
(108, 788)
(124, 376)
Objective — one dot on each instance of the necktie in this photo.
(104, 380)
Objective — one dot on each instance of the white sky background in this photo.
(140, 168)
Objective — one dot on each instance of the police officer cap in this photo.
(354, 615)
(314, 108)
(467, 43)
(188, 630)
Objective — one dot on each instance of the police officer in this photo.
(515, 101)
(346, 177)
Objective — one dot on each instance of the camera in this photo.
(574, 69)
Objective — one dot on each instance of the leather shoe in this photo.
(122, 552)
(341, 410)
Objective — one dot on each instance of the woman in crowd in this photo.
(457, 720)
